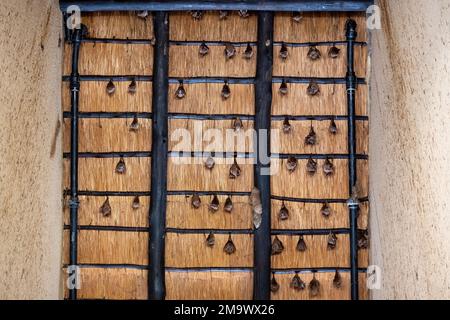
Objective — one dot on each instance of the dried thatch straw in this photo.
(233, 28)
(196, 177)
(327, 290)
(298, 64)
(116, 284)
(93, 97)
(184, 61)
(300, 185)
(209, 285)
(317, 26)
(110, 135)
(99, 174)
(332, 100)
(327, 143)
(190, 250)
(122, 213)
(119, 25)
(110, 247)
(180, 214)
(112, 59)
(308, 216)
(205, 98)
(225, 139)
(317, 255)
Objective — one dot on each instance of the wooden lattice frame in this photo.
(263, 84)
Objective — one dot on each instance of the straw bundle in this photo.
(190, 250)
(94, 98)
(184, 61)
(317, 254)
(122, 212)
(210, 27)
(297, 64)
(205, 98)
(317, 26)
(332, 100)
(180, 214)
(112, 59)
(98, 174)
(194, 176)
(293, 142)
(110, 135)
(225, 139)
(119, 25)
(299, 184)
(110, 247)
(114, 283)
(209, 285)
(308, 216)
(327, 289)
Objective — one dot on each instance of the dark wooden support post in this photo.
(263, 104)
(73, 201)
(353, 203)
(157, 220)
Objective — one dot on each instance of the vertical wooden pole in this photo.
(73, 201)
(263, 104)
(353, 204)
(157, 214)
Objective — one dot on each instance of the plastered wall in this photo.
(410, 150)
(30, 149)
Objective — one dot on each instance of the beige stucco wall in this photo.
(410, 149)
(30, 149)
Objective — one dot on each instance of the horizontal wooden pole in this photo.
(91, 193)
(196, 116)
(309, 200)
(286, 232)
(318, 270)
(206, 231)
(224, 155)
(254, 5)
(229, 80)
(219, 43)
(217, 269)
(206, 193)
(111, 228)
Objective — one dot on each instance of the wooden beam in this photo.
(263, 108)
(254, 5)
(73, 201)
(353, 203)
(157, 214)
